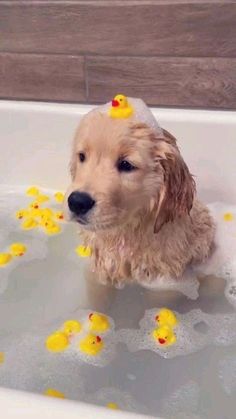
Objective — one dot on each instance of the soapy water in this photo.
(46, 287)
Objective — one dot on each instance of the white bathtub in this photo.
(35, 143)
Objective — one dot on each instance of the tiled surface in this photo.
(170, 52)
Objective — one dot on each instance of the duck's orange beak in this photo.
(157, 318)
(98, 339)
(90, 316)
(162, 341)
(115, 103)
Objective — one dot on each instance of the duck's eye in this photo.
(82, 157)
(125, 166)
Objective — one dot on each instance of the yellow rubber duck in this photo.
(91, 344)
(83, 251)
(59, 215)
(71, 327)
(51, 392)
(29, 223)
(42, 198)
(112, 406)
(2, 357)
(22, 213)
(228, 216)
(120, 107)
(35, 212)
(57, 342)
(164, 335)
(32, 191)
(166, 317)
(46, 213)
(52, 228)
(59, 197)
(5, 258)
(98, 322)
(18, 249)
(34, 205)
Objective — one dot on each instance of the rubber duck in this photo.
(112, 405)
(228, 216)
(120, 107)
(164, 335)
(83, 251)
(98, 322)
(34, 205)
(57, 342)
(59, 215)
(51, 392)
(22, 213)
(2, 357)
(166, 317)
(42, 198)
(71, 327)
(91, 344)
(32, 191)
(5, 258)
(59, 197)
(18, 249)
(35, 212)
(52, 228)
(29, 223)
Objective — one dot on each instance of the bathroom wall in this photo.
(169, 52)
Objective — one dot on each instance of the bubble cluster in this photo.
(220, 330)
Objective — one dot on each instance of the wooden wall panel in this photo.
(194, 82)
(120, 27)
(169, 52)
(43, 77)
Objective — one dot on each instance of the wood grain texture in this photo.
(190, 82)
(40, 77)
(172, 28)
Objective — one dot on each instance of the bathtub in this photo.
(35, 149)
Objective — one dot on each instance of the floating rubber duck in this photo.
(32, 191)
(71, 327)
(5, 258)
(42, 198)
(22, 213)
(34, 204)
(59, 197)
(18, 249)
(51, 392)
(83, 251)
(98, 322)
(29, 223)
(120, 107)
(2, 357)
(112, 406)
(57, 342)
(164, 335)
(35, 212)
(228, 216)
(91, 344)
(166, 317)
(59, 215)
(52, 228)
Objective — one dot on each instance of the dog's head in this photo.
(120, 168)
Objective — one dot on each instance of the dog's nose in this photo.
(80, 203)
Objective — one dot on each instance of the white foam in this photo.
(221, 330)
(142, 113)
(227, 374)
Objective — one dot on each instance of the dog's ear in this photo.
(176, 196)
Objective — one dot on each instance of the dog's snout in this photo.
(80, 203)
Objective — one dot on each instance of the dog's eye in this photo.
(82, 157)
(125, 166)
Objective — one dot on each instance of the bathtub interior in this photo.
(197, 377)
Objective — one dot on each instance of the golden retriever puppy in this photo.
(133, 198)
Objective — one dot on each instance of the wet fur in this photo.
(146, 223)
